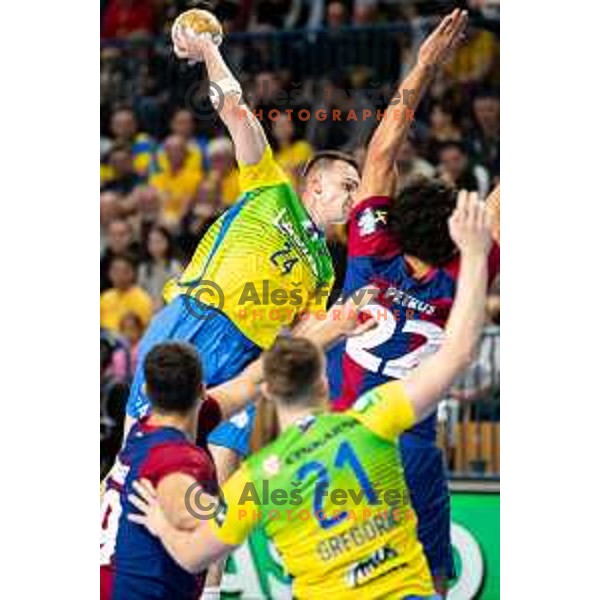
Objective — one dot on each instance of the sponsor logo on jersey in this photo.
(286, 227)
(364, 402)
(305, 423)
(372, 567)
(272, 465)
(409, 302)
(369, 220)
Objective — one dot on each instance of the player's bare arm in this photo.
(470, 230)
(379, 172)
(194, 550)
(235, 394)
(245, 129)
(342, 320)
(170, 492)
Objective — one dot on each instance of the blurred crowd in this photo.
(167, 167)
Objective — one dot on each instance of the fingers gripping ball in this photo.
(196, 22)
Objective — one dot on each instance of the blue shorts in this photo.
(225, 352)
(425, 473)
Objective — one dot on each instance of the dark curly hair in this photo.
(418, 219)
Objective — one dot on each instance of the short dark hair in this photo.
(173, 375)
(292, 368)
(452, 144)
(418, 219)
(125, 257)
(327, 156)
(487, 92)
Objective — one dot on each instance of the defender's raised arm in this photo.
(379, 174)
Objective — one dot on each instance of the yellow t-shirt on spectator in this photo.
(142, 153)
(177, 190)
(470, 58)
(193, 159)
(115, 304)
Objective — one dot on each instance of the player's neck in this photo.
(184, 423)
(290, 416)
(418, 267)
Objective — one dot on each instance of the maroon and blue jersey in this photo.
(411, 312)
(133, 563)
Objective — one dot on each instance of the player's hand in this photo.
(145, 500)
(445, 38)
(353, 320)
(191, 48)
(470, 226)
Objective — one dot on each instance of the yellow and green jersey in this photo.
(331, 495)
(265, 257)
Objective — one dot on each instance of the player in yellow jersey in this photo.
(337, 506)
(264, 264)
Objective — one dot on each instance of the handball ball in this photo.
(196, 21)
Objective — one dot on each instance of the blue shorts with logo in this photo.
(425, 473)
(225, 352)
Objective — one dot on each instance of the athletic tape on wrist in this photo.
(227, 86)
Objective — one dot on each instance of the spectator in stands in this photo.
(123, 176)
(160, 264)
(291, 152)
(177, 184)
(108, 213)
(119, 240)
(266, 94)
(124, 296)
(364, 12)
(337, 15)
(342, 133)
(220, 188)
(307, 13)
(131, 329)
(485, 140)
(184, 125)
(124, 129)
(125, 18)
(113, 397)
(479, 384)
(456, 169)
(442, 129)
(146, 201)
(410, 164)
(476, 60)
